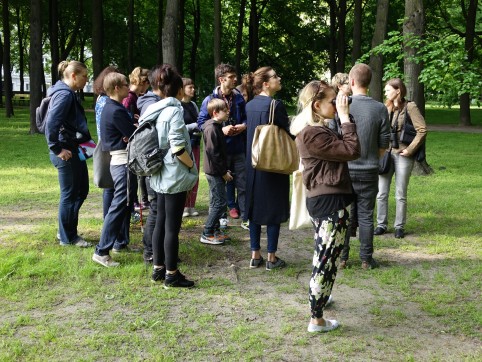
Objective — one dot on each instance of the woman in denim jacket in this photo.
(176, 177)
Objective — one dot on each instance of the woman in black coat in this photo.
(267, 193)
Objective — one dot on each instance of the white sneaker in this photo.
(223, 223)
(330, 324)
(105, 260)
(245, 225)
(193, 212)
(186, 212)
(81, 243)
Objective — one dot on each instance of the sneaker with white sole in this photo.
(223, 223)
(193, 212)
(79, 242)
(105, 260)
(186, 212)
(330, 324)
(211, 239)
(255, 263)
(245, 225)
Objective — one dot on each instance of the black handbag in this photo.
(385, 162)
(408, 132)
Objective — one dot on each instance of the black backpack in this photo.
(144, 157)
(41, 114)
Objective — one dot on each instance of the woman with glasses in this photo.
(267, 193)
(324, 154)
(116, 127)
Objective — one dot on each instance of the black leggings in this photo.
(165, 238)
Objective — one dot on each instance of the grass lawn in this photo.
(422, 304)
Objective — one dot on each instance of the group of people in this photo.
(340, 133)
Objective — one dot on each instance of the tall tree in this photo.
(182, 29)
(217, 32)
(97, 37)
(357, 31)
(7, 75)
(340, 44)
(130, 40)
(1, 66)
(196, 37)
(36, 63)
(376, 60)
(471, 16)
(160, 17)
(21, 45)
(169, 32)
(413, 26)
(239, 37)
(254, 19)
(332, 39)
(54, 38)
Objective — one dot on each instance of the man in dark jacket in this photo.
(216, 170)
(234, 128)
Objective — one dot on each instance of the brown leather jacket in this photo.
(324, 155)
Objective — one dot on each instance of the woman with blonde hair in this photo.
(66, 128)
(324, 154)
(402, 156)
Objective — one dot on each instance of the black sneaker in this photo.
(270, 265)
(158, 274)
(177, 280)
(399, 233)
(379, 231)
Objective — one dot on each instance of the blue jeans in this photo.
(217, 203)
(402, 168)
(365, 185)
(272, 231)
(74, 188)
(117, 221)
(237, 164)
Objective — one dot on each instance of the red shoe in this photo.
(233, 213)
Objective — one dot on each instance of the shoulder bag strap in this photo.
(271, 112)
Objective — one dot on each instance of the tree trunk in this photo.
(169, 32)
(7, 75)
(36, 64)
(130, 36)
(253, 36)
(1, 65)
(357, 32)
(341, 18)
(413, 26)
(465, 119)
(74, 33)
(54, 38)
(332, 4)
(196, 38)
(182, 29)
(239, 38)
(217, 32)
(160, 17)
(376, 61)
(97, 37)
(21, 48)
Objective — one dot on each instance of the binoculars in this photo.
(334, 100)
(394, 139)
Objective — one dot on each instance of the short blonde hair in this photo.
(113, 80)
(216, 105)
(338, 80)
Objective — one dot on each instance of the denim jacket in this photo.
(174, 176)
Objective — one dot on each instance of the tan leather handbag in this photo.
(273, 150)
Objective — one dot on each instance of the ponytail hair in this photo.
(65, 67)
(168, 80)
(256, 79)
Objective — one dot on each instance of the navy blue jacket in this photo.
(115, 124)
(234, 144)
(66, 125)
